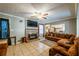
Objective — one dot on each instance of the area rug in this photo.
(48, 42)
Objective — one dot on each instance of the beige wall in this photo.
(70, 25)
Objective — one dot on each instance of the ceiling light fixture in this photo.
(39, 15)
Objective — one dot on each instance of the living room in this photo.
(37, 29)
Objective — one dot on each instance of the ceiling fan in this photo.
(39, 15)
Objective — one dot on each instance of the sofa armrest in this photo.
(3, 47)
(61, 50)
(52, 52)
(3, 52)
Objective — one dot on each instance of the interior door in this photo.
(4, 28)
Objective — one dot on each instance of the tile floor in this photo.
(33, 48)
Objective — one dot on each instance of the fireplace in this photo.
(32, 36)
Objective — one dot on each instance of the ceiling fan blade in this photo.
(45, 14)
(44, 17)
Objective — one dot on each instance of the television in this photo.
(32, 23)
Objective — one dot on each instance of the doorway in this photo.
(4, 29)
(41, 31)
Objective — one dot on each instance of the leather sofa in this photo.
(61, 39)
(65, 44)
(72, 51)
(58, 36)
(3, 47)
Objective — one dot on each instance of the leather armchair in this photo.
(3, 47)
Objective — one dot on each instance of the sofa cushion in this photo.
(76, 42)
(67, 36)
(52, 34)
(64, 43)
(55, 39)
(49, 34)
(72, 40)
(57, 35)
(72, 51)
(3, 44)
(61, 50)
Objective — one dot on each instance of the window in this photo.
(59, 28)
(55, 28)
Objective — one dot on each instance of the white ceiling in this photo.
(55, 11)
